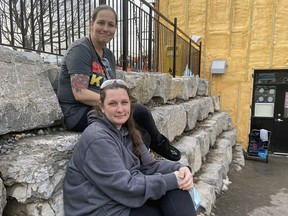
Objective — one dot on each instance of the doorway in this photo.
(269, 108)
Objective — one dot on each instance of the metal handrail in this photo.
(49, 27)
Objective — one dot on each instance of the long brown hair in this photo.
(100, 8)
(130, 123)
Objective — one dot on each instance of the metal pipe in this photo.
(32, 26)
(125, 34)
(174, 47)
(150, 41)
(199, 66)
(102, 2)
(190, 49)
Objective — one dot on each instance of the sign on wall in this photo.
(286, 100)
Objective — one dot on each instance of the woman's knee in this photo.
(145, 210)
(177, 202)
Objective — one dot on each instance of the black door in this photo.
(281, 119)
(270, 107)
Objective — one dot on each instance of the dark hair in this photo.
(100, 8)
(130, 124)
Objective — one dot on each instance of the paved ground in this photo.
(259, 189)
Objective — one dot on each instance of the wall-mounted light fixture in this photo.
(218, 66)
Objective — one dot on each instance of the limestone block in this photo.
(51, 207)
(207, 195)
(170, 120)
(238, 157)
(184, 160)
(27, 99)
(212, 174)
(203, 87)
(35, 168)
(184, 87)
(11, 56)
(219, 122)
(211, 124)
(211, 132)
(222, 119)
(222, 154)
(216, 103)
(190, 148)
(120, 74)
(190, 87)
(3, 199)
(52, 74)
(142, 86)
(230, 123)
(192, 109)
(206, 107)
(176, 88)
(163, 87)
(204, 141)
(230, 135)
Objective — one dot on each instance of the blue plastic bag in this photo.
(195, 197)
(262, 154)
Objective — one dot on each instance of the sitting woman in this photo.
(86, 65)
(111, 172)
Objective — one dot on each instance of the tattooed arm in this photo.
(79, 83)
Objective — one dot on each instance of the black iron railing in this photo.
(145, 40)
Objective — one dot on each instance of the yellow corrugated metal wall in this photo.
(248, 34)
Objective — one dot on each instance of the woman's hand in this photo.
(185, 178)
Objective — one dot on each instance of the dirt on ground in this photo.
(259, 189)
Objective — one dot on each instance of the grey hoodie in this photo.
(104, 177)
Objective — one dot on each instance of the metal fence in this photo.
(145, 40)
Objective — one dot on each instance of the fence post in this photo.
(150, 42)
(22, 9)
(125, 34)
(11, 23)
(189, 61)
(200, 47)
(1, 24)
(174, 47)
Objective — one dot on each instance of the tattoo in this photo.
(79, 82)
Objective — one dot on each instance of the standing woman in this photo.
(86, 65)
(111, 172)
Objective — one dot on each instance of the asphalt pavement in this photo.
(259, 189)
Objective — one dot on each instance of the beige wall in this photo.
(248, 34)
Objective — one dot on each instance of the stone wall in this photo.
(32, 164)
